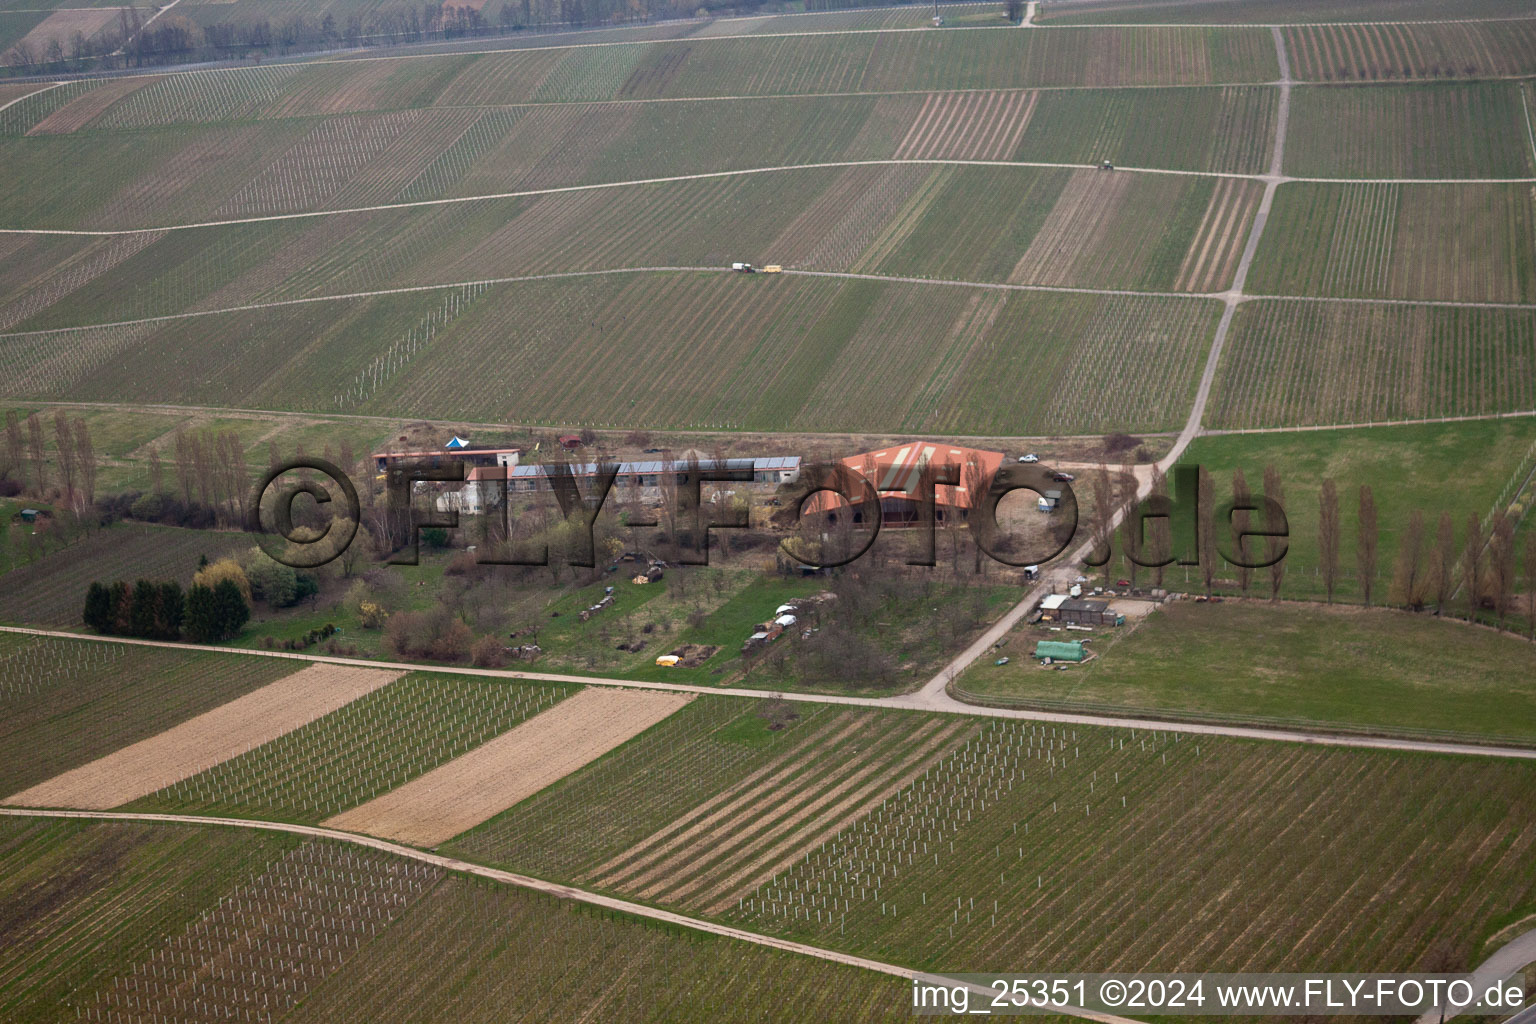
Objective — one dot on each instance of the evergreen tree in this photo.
(146, 602)
(98, 608)
(200, 624)
(231, 610)
(122, 607)
(170, 611)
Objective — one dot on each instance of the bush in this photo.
(225, 570)
(486, 652)
(371, 615)
(437, 634)
(148, 507)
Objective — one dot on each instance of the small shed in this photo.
(570, 441)
(1060, 650)
(29, 515)
(1085, 612)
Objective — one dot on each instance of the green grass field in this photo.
(1386, 671)
(69, 702)
(352, 755)
(1460, 468)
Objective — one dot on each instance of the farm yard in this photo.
(69, 702)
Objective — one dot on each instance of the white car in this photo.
(1029, 458)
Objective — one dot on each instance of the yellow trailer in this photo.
(773, 268)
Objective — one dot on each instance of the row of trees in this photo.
(1430, 569)
(161, 611)
(26, 458)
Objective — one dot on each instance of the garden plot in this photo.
(211, 737)
(468, 790)
(968, 126)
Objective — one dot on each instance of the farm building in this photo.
(1077, 611)
(483, 484)
(1060, 650)
(897, 473)
(456, 450)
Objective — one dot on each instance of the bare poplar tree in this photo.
(1206, 527)
(1443, 568)
(1274, 546)
(64, 444)
(1471, 562)
(1328, 536)
(85, 454)
(1530, 583)
(156, 472)
(184, 464)
(1501, 564)
(1160, 530)
(1407, 577)
(976, 484)
(35, 452)
(1240, 522)
(1365, 544)
(15, 447)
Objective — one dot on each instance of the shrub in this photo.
(371, 615)
(225, 570)
(486, 652)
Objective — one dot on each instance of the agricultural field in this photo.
(1437, 130)
(162, 175)
(48, 589)
(767, 353)
(1384, 52)
(772, 66)
(1463, 242)
(1104, 816)
(500, 954)
(69, 702)
(1318, 363)
(1223, 12)
(86, 902)
(211, 738)
(476, 786)
(358, 751)
(1349, 668)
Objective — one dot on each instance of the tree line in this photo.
(162, 611)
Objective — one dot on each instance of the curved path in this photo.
(922, 700)
(555, 889)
